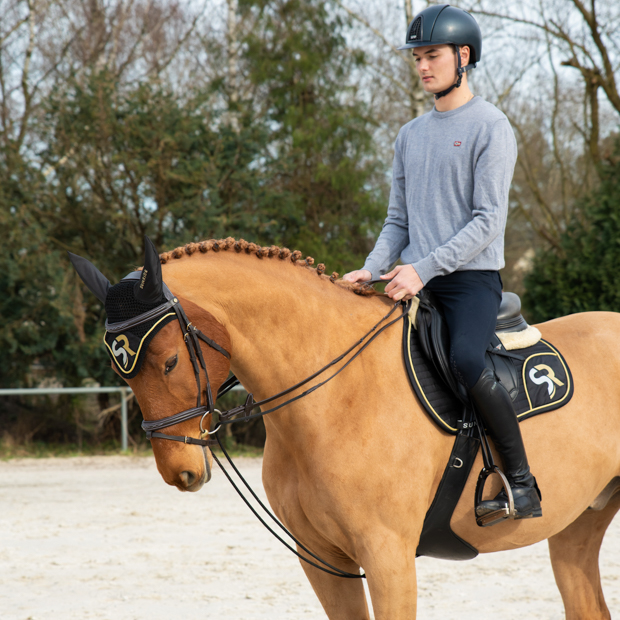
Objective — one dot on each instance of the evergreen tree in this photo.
(320, 159)
(118, 166)
(116, 162)
(584, 273)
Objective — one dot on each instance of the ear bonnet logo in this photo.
(128, 349)
(123, 350)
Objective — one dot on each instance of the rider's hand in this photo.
(405, 282)
(360, 275)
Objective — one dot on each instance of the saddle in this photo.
(435, 342)
(533, 372)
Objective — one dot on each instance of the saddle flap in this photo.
(435, 342)
(503, 367)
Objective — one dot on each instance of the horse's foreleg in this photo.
(392, 579)
(342, 598)
(574, 556)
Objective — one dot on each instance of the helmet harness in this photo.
(460, 70)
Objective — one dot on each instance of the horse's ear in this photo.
(149, 289)
(91, 276)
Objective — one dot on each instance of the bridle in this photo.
(192, 337)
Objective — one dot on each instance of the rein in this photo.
(229, 416)
(192, 335)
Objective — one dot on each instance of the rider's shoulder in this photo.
(486, 112)
(413, 126)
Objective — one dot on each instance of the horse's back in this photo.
(589, 333)
(574, 451)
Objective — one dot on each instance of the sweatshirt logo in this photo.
(457, 143)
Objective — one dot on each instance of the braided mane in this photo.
(273, 251)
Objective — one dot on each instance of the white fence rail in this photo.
(123, 392)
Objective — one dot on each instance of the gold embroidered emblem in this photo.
(550, 379)
(123, 349)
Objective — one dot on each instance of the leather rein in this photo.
(192, 337)
(241, 413)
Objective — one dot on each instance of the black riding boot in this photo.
(495, 407)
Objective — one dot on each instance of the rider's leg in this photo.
(495, 407)
(470, 301)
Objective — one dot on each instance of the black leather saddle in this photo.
(435, 343)
(536, 377)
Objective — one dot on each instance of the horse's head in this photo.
(158, 342)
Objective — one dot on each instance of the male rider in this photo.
(446, 219)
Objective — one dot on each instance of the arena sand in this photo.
(106, 538)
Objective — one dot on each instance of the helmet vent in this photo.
(415, 30)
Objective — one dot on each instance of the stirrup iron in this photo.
(507, 512)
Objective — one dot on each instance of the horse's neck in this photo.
(284, 321)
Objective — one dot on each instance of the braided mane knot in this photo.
(241, 245)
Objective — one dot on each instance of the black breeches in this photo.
(470, 303)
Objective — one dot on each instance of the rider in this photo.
(446, 219)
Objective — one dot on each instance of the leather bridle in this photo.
(192, 337)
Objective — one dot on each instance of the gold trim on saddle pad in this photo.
(543, 373)
(545, 381)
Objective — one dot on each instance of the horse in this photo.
(352, 468)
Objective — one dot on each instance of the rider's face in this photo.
(436, 65)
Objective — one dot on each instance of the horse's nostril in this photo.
(187, 478)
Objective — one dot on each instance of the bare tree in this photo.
(46, 44)
(552, 66)
(390, 81)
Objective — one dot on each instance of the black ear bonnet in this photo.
(137, 308)
(127, 348)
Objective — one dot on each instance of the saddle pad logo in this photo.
(546, 379)
(538, 376)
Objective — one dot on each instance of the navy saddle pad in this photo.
(543, 378)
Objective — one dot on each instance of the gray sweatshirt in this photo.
(449, 198)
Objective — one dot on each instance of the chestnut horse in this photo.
(352, 468)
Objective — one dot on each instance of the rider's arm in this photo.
(394, 236)
(494, 167)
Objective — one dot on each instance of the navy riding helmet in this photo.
(442, 24)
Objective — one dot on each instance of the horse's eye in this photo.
(171, 362)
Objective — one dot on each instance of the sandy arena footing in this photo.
(106, 538)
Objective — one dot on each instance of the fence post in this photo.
(124, 418)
